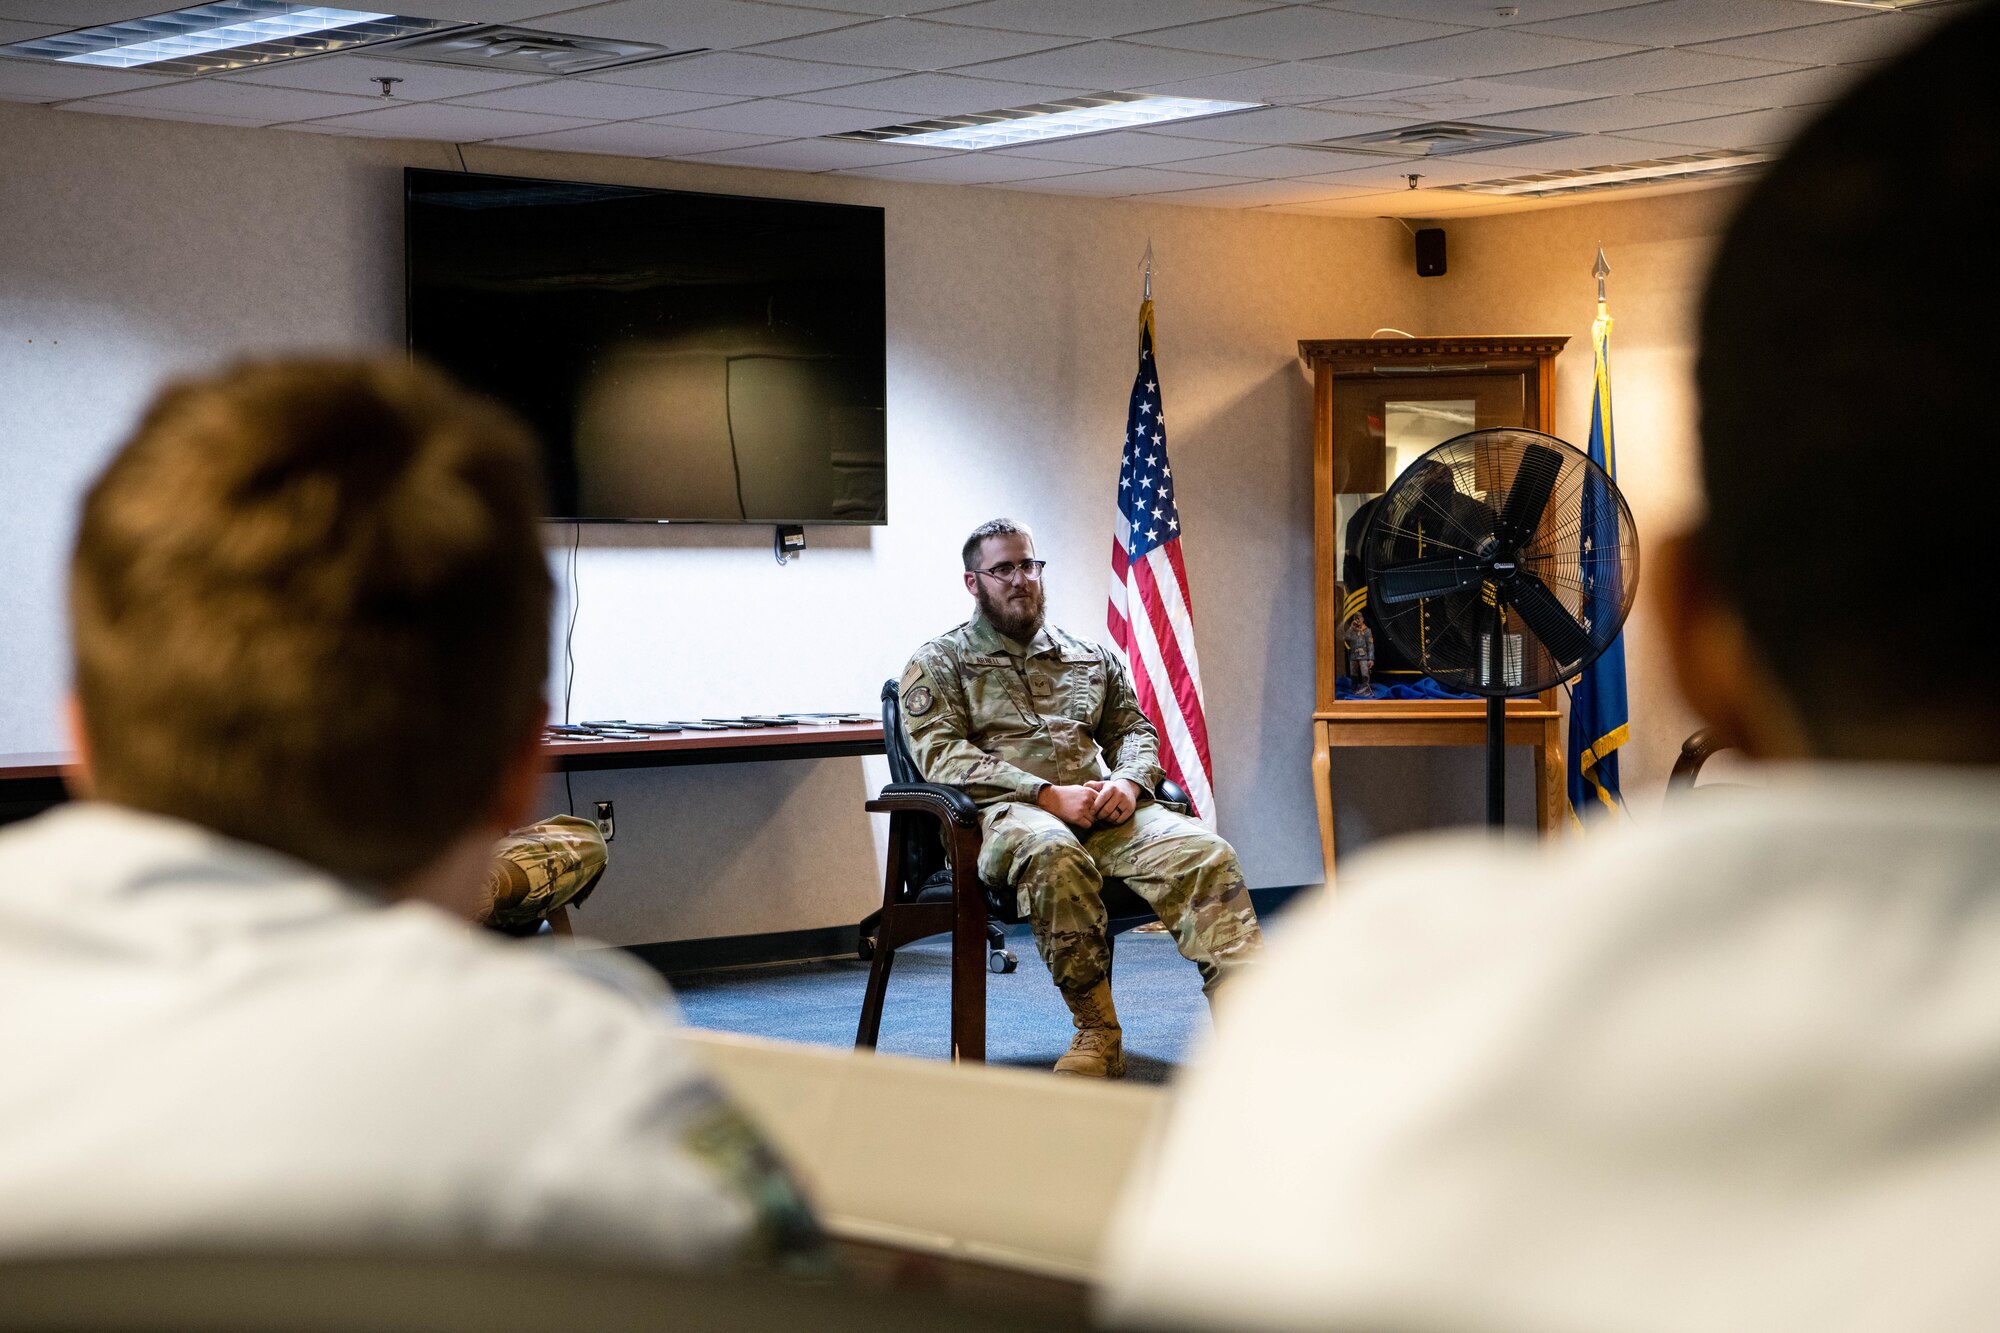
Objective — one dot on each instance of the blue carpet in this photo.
(1158, 994)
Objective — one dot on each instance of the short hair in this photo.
(310, 611)
(1846, 397)
(992, 527)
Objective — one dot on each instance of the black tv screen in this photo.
(683, 357)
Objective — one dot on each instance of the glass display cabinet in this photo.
(1378, 405)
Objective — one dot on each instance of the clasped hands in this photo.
(1105, 801)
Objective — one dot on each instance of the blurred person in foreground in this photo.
(1738, 1065)
(240, 1003)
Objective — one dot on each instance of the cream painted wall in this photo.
(1530, 273)
(131, 249)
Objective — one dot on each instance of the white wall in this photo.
(130, 249)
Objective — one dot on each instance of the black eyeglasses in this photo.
(1007, 569)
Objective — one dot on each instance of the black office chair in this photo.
(1696, 751)
(931, 886)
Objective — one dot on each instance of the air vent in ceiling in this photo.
(1717, 165)
(530, 51)
(1439, 138)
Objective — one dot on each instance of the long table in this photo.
(33, 782)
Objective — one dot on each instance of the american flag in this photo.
(1152, 615)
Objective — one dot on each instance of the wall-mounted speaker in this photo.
(1430, 252)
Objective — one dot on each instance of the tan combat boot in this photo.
(1098, 1049)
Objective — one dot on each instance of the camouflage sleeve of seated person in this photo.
(536, 869)
(942, 724)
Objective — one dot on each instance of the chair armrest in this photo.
(1695, 752)
(1172, 793)
(946, 804)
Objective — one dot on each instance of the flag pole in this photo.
(1146, 293)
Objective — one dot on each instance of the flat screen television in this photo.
(683, 357)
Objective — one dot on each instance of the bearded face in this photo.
(1013, 606)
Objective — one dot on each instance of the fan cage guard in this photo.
(1503, 561)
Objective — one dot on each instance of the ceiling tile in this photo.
(881, 8)
(155, 113)
(1134, 180)
(478, 11)
(686, 24)
(1126, 148)
(1605, 115)
(1646, 72)
(67, 14)
(1097, 18)
(1109, 66)
(1296, 32)
(817, 155)
(940, 95)
(1679, 22)
(1277, 161)
(459, 124)
(12, 31)
(1479, 13)
(912, 44)
(1746, 129)
(1258, 194)
(594, 101)
(1388, 174)
(740, 74)
(1870, 37)
(1799, 87)
(1280, 125)
(1288, 84)
(1461, 99)
(356, 74)
(972, 169)
(251, 103)
(633, 138)
(35, 81)
(781, 119)
(1481, 53)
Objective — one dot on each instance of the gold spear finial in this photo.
(1600, 271)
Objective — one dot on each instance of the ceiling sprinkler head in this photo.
(1413, 178)
(388, 83)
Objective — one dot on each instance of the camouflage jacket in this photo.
(1003, 721)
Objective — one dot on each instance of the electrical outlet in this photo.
(606, 820)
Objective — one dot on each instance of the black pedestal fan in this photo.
(1504, 562)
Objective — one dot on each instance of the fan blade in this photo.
(1427, 578)
(1534, 480)
(1561, 633)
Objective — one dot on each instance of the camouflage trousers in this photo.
(1188, 875)
(535, 870)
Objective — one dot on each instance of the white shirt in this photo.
(1735, 1068)
(207, 1043)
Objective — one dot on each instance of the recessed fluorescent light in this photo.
(1720, 163)
(249, 32)
(1047, 120)
(229, 34)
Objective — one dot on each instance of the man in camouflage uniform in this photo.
(1044, 731)
(540, 869)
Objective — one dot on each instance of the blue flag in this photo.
(1598, 721)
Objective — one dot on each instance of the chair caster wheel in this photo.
(1001, 961)
(865, 951)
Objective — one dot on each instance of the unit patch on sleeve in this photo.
(917, 700)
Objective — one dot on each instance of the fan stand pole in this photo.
(1496, 762)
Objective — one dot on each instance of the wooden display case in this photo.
(1377, 404)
